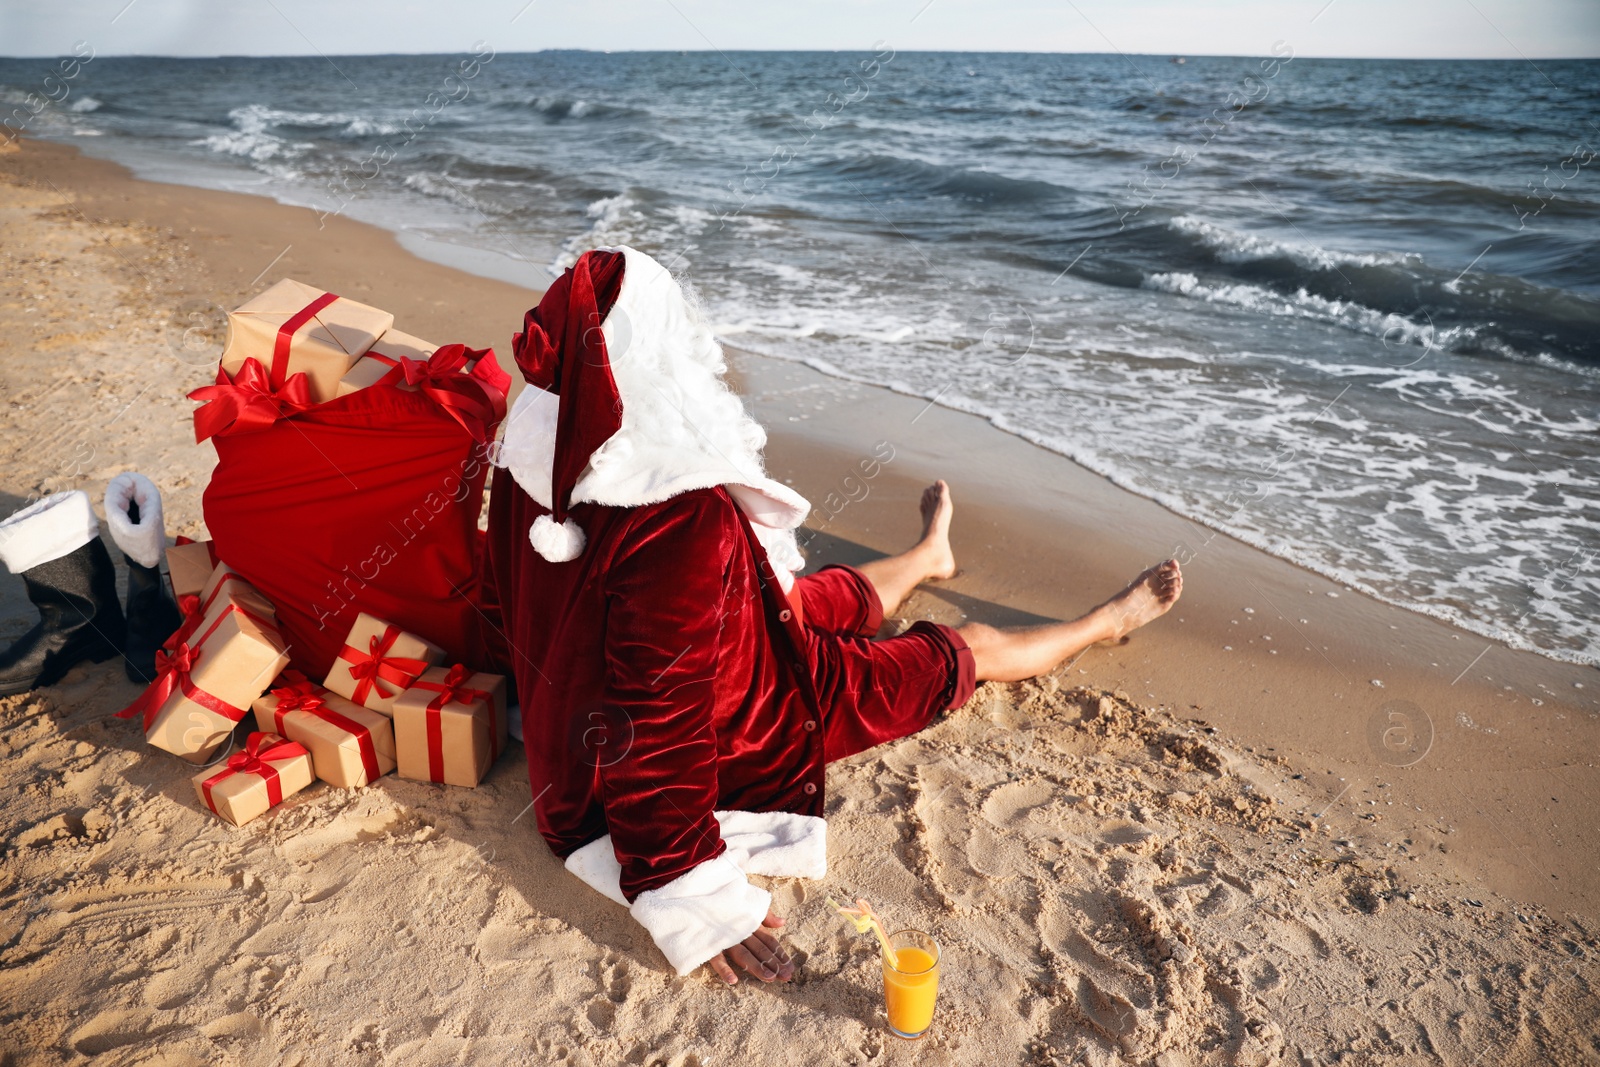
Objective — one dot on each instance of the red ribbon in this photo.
(305, 695)
(286, 332)
(300, 694)
(253, 760)
(174, 662)
(453, 690)
(194, 611)
(374, 666)
(475, 399)
(247, 401)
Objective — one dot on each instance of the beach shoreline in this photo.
(1484, 801)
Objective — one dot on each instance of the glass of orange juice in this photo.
(911, 982)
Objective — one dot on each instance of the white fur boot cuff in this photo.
(144, 541)
(47, 529)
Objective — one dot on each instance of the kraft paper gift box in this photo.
(450, 726)
(255, 779)
(188, 567)
(293, 328)
(379, 661)
(350, 746)
(207, 678)
(396, 345)
(225, 581)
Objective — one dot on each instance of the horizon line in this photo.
(826, 51)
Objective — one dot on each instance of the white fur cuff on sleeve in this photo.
(698, 914)
(712, 907)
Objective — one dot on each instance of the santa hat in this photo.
(626, 406)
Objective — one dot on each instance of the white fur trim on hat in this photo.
(47, 529)
(556, 542)
(142, 541)
(682, 427)
(713, 906)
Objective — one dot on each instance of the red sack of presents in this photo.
(368, 502)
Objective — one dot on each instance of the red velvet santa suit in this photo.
(666, 678)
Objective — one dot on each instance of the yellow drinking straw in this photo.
(865, 919)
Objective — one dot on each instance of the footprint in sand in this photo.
(1010, 805)
(173, 988)
(1297, 938)
(500, 942)
(613, 983)
(1137, 838)
(112, 1030)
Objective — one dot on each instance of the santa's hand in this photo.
(760, 954)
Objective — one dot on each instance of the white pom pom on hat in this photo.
(556, 542)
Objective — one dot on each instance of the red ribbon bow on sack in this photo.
(452, 690)
(476, 399)
(375, 666)
(173, 666)
(247, 401)
(253, 760)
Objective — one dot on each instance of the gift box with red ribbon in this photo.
(450, 725)
(255, 778)
(189, 565)
(378, 662)
(225, 581)
(209, 672)
(293, 328)
(385, 354)
(350, 746)
(224, 590)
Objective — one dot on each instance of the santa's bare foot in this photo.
(1151, 596)
(937, 510)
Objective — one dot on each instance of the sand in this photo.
(1168, 852)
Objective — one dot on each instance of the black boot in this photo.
(152, 618)
(75, 592)
(133, 511)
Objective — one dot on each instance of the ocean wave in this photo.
(451, 187)
(914, 176)
(556, 108)
(250, 138)
(82, 105)
(614, 220)
(260, 133)
(1237, 246)
(1394, 330)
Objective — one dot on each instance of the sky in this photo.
(1480, 29)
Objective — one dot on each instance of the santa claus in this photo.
(682, 690)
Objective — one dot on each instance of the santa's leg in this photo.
(929, 559)
(1012, 655)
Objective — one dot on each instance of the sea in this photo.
(1347, 311)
